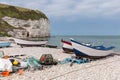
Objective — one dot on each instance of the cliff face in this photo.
(34, 28)
(22, 22)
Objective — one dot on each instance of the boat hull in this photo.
(67, 46)
(29, 43)
(85, 51)
(5, 44)
(67, 50)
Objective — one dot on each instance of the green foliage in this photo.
(4, 28)
(16, 12)
(4, 34)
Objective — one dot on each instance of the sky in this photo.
(77, 17)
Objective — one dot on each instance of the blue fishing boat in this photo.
(90, 51)
(4, 44)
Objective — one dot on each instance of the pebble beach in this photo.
(103, 69)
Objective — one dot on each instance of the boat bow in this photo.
(84, 50)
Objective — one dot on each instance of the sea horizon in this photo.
(106, 40)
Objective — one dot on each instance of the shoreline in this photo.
(104, 69)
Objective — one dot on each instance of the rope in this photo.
(82, 69)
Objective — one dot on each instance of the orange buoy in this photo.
(5, 73)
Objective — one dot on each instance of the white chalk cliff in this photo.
(35, 28)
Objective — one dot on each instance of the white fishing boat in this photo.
(90, 51)
(29, 43)
(67, 46)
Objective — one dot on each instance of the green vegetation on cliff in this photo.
(20, 13)
(4, 28)
(16, 12)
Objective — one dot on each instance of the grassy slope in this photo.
(16, 12)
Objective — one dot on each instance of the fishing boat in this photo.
(91, 51)
(29, 43)
(4, 44)
(67, 46)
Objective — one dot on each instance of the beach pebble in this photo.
(104, 69)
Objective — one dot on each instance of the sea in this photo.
(106, 41)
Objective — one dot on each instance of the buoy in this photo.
(42, 58)
(15, 63)
(5, 73)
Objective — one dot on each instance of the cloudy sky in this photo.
(77, 17)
